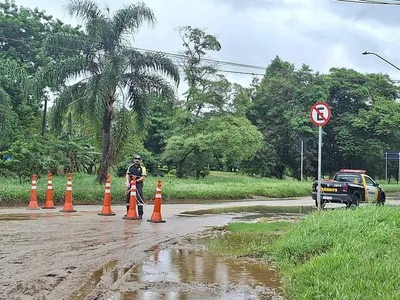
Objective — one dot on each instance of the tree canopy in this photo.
(84, 99)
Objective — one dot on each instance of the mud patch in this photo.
(20, 217)
(94, 280)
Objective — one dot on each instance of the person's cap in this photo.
(136, 157)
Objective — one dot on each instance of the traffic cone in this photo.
(48, 204)
(33, 201)
(68, 196)
(156, 216)
(132, 214)
(106, 211)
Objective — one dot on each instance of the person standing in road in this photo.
(138, 171)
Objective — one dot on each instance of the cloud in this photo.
(320, 33)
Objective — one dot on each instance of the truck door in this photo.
(371, 189)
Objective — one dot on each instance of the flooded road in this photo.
(48, 255)
(191, 272)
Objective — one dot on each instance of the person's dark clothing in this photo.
(137, 172)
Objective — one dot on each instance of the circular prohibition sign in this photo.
(320, 113)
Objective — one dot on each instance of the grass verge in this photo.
(339, 254)
(217, 186)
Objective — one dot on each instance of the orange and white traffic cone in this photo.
(48, 204)
(106, 211)
(33, 201)
(132, 214)
(68, 196)
(156, 216)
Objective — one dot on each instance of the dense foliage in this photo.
(110, 100)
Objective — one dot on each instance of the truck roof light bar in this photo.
(352, 171)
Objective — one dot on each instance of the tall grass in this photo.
(217, 186)
(339, 254)
(343, 254)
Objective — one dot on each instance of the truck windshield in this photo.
(348, 177)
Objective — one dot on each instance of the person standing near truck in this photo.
(138, 171)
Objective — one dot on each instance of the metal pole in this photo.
(301, 164)
(386, 166)
(319, 167)
(385, 60)
(398, 176)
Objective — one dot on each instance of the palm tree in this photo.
(108, 70)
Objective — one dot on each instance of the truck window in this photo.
(369, 181)
(353, 178)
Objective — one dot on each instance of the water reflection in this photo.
(260, 209)
(193, 273)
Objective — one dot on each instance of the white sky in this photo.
(319, 33)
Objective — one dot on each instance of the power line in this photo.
(235, 64)
(204, 59)
(388, 2)
(181, 56)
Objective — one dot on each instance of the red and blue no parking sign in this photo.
(320, 113)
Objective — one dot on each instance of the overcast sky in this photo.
(319, 33)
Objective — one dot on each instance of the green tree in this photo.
(22, 32)
(233, 139)
(207, 88)
(109, 70)
(11, 72)
(274, 96)
(362, 107)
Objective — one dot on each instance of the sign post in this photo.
(386, 161)
(320, 115)
(398, 176)
(301, 159)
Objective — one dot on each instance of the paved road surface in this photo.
(47, 254)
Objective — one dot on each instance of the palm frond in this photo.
(96, 96)
(67, 41)
(100, 29)
(141, 87)
(157, 62)
(68, 96)
(58, 72)
(131, 17)
(84, 10)
(121, 131)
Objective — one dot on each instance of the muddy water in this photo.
(254, 212)
(192, 272)
(186, 271)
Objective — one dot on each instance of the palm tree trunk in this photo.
(106, 142)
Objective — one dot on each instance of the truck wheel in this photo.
(381, 198)
(355, 199)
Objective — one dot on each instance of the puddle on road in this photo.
(195, 273)
(262, 210)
